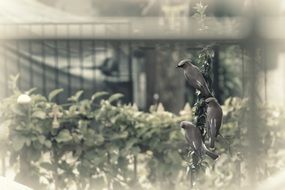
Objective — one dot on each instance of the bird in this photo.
(194, 138)
(194, 77)
(214, 119)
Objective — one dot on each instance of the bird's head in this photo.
(211, 100)
(186, 124)
(184, 63)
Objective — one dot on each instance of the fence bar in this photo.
(81, 59)
(135, 168)
(216, 67)
(252, 44)
(130, 65)
(18, 57)
(243, 71)
(68, 61)
(5, 70)
(118, 48)
(43, 59)
(56, 59)
(30, 59)
(264, 61)
(93, 59)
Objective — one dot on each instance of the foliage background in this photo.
(99, 143)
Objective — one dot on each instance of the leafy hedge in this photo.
(90, 141)
(98, 142)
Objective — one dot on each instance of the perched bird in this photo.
(194, 77)
(214, 119)
(194, 138)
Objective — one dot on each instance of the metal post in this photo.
(43, 61)
(30, 59)
(93, 49)
(130, 64)
(216, 67)
(18, 57)
(252, 44)
(5, 69)
(81, 58)
(56, 59)
(68, 61)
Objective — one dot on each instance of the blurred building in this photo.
(55, 44)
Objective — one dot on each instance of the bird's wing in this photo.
(194, 145)
(193, 81)
(199, 84)
(213, 124)
(219, 118)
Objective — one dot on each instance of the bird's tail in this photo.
(213, 134)
(212, 143)
(211, 154)
(207, 92)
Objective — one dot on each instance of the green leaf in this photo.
(48, 144)
(41, 139)
(99, 139)
(29, 92)
(120, 135)
(18, 143)
(174, 156)
(54, 93)
(76, 97)
(135, 150)
(33, 154)
(63, 136)
(39, 115)
(47, 166)
(98, 95)
(4, 130)
(115, 97)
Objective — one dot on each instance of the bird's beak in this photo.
(177, 66)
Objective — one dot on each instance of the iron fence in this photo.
(46, 60)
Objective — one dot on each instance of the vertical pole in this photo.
(54, 172)
(18, 57)
(252, 120)
(135, 168)
(68, 61)
(252, 44)
(31, 60)
(243, 71)
(200, 111)
(118, 48)
(108, 175)
(130, 65)
(264, 61)
(216, 67)
(56, 59)
(193, 170)
(43, 60)
(81, 58)
(93, 49)
(6, 70)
